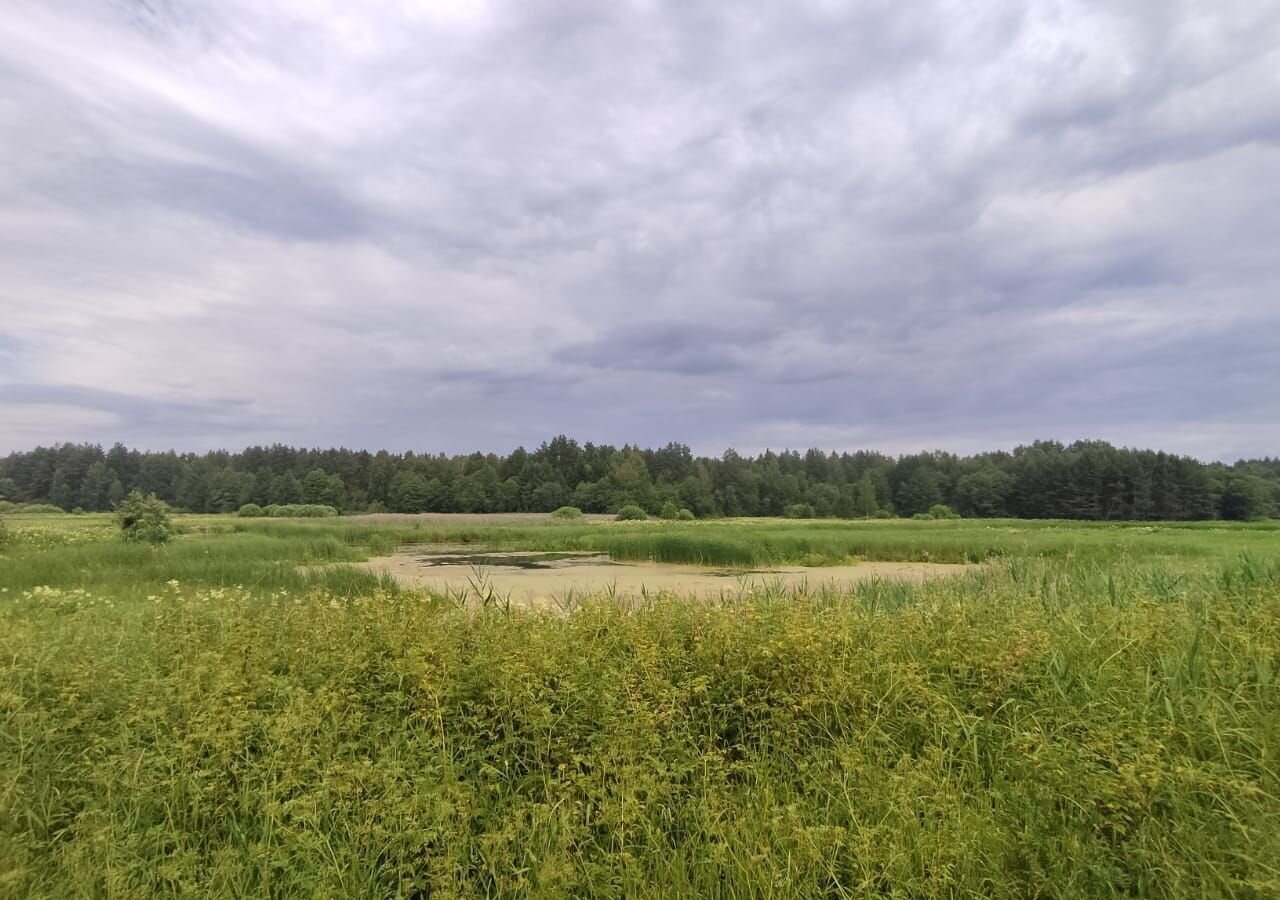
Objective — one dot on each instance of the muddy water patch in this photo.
(533, 578)
(511, 559)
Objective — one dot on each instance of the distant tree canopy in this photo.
(1046, 479)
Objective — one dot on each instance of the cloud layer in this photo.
(454, 225)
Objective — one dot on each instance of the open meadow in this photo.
(1080, 710)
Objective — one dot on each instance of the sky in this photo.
(449, 225)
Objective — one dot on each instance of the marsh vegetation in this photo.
(1093, 711)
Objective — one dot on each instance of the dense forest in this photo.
(1046, 479)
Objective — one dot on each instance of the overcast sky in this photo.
(455, 224)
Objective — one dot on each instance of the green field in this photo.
(1095, 712)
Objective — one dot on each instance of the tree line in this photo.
(1045, 479)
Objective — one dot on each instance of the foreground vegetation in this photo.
(1095, 713)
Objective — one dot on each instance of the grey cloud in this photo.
(227, 179)
(134, 411)
(643, 221)
(489, 381)
(272, 200)
(681, 348)
(9, 355)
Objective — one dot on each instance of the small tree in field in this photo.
(144, 519)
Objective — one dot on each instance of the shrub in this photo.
(144, 519)
(922, 517)
(942, 511)
(567, 512)
(882, 514)
(4, 532)
(631, 513)
(299, 511)
(318, 511)
(685, 515)
(7, 506)
(250, 510)
(670, 511)
(800, 511)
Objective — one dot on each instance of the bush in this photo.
(922, 517)
(882, 514)
(316, 511)
(631, 513)
(4, 532)
(298, 511)
(250, 510)
(800, 511)
(685, 515)
(144, 519)
(567, 512)
(7, 506)
(942, 511)
(670, 511)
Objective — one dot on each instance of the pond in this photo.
(533, 578)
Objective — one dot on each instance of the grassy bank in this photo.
(839, 542)
(825, 542)
(115, 569)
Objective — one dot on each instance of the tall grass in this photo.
(116, 569)
(777, 542)
(774, 542)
